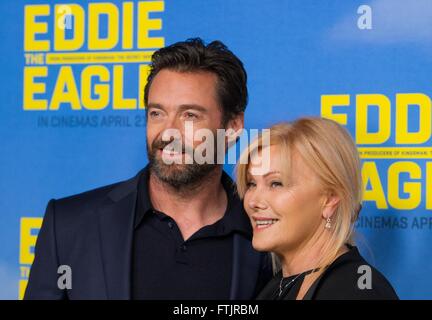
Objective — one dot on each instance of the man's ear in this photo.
(236, 123)
(331, 202)
(234, 129)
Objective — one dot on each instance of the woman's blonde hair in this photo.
(328, 149)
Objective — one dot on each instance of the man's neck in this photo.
(191, 208)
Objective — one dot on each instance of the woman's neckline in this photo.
(350, 250)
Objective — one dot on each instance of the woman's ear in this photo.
(331, 201)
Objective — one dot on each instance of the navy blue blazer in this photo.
(92, 232)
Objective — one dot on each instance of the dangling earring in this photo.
(328, 224)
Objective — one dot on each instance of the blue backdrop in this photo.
(72, 77)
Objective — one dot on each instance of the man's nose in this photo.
(172, 130)
(173, 122)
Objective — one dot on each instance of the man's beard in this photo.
(179, 176)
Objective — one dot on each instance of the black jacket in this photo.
(93, 232)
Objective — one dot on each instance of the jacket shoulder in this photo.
(87, 198)
(80, 206)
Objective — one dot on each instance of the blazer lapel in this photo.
(116, 221)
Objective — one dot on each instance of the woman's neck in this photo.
(304, 257)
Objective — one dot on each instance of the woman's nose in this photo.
(257, 203)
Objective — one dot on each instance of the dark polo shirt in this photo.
(167, 267)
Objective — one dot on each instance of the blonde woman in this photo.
(303, 207)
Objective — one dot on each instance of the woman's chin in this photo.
(261, 245)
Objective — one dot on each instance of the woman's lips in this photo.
(263, 223)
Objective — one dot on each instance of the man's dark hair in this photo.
(193, 55)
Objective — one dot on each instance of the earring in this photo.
(328, 224)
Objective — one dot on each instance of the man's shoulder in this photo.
(88, 201)
(88, 197)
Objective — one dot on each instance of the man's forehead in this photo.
(181, 89)
(176, 75)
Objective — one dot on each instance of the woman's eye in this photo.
(275, 184)
(250, 184)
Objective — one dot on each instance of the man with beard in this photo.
(177, 230)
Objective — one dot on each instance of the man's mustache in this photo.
(173, 145)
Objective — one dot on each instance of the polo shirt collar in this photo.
(234, 220)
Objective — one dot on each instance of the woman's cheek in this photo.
(290, 224)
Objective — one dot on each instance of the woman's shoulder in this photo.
(351, 277)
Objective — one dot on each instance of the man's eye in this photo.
(154, 114)
(275, 184)
(190, 115)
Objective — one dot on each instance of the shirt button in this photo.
(170, 225)
(183, 247)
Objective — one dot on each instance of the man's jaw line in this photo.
(185, 190)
